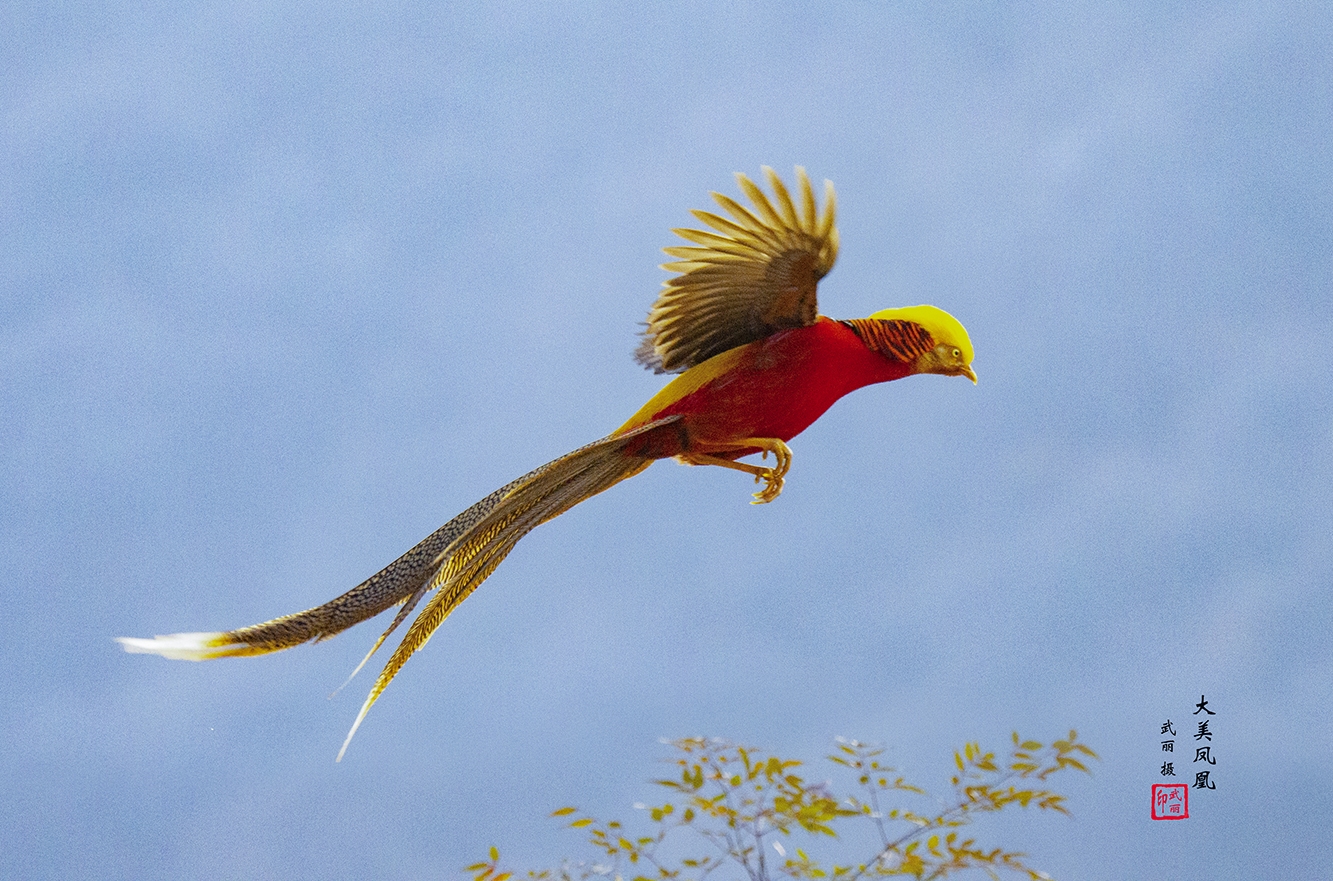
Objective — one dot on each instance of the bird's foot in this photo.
(772, 477)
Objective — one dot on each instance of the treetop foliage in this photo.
(732, 807)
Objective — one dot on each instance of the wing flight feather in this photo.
(754, 274)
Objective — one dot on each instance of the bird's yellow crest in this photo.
(943, 327)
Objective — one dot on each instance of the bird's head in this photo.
(951, 354)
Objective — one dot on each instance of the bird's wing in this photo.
(754, 276)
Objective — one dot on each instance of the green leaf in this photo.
(732, 813)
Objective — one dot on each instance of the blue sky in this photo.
(284, 287)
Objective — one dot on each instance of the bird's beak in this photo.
(970, 374)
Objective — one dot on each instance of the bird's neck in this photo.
(897, 340)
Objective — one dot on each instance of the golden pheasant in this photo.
(757, 365)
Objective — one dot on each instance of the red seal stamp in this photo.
(1170, 801)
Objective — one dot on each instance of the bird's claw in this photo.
(772, 488)
(773, 477)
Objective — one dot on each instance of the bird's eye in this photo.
(957, 354)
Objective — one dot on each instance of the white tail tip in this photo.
(360, 717)
(182, 646)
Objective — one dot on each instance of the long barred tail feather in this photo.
(455, 559)
(468, 562)
(393, 584)
(408, 605)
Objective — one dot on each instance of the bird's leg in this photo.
(772, 477)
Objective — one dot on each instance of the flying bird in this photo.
(757, 364)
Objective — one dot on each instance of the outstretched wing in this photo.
(754, 276)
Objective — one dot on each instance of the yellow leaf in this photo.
(563, 811)
(495, 853)
(582, 821)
